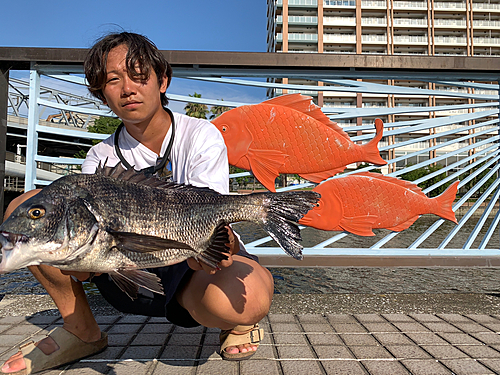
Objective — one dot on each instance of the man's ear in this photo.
(164, 84)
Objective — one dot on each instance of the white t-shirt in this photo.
(198, 155)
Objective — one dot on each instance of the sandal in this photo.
(240, 335)
(71, 349)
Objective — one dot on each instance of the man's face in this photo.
(135, 101)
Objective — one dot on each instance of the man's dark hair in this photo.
(142, 56)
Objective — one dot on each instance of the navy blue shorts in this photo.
(148, 303)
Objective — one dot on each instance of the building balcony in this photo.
(410, 22)
(410, 4)
(298, 20)
(373, 4)
(449, 5)
(339, 38)
(374, 39)
(339, 21)
(339, 3)
(409, 39)
(449, 23)
(373, 21)
(296, 37)
(452, 41)
(299, 3)
(486, 7)
(485, 24)
(487, 42)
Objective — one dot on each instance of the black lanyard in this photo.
(161, 162)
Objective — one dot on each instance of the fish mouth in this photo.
(8, 239)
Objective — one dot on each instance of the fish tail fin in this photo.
(372, 153)
(284, 210)
(445, 203)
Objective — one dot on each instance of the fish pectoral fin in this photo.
(143, 243)
(360, 225)
(217, 248)
(129, 281)
(405, 225)
(321, 176)
(266, 165)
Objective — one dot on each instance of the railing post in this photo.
(4, 95)
(32, 135)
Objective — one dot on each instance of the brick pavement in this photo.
(294, 344)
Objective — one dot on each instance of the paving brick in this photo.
(443, 327)
(106, 319)
(173, 367)
(370, 352)
(179, 352)
(125, 328)
(111, 352)
(343, 368)
(429, 318)
(493, 364)
(324, 339)
(128, 319)
(491, 338)
(158, 319)
(479, 351)
(392, 339)
(400, 318)
(407, 352)
(157, 328)
(281, 318)
(42, 319)
(13, 320)
(149, 339)
(87, 368)
(341, 318)
(126, 368)
(459, 338)
(289, 338)
(312, 318)
(23, 329)
(213, 339)
(120, 339)
(348, 328)
(359, 339)
(425, 367)
(295, 352)
(466, 366)
(264, 352)
(444, 351)
(286, 327)
(483, 318)
(471, 327)
(141, 352)
(259, 367)
(410, 327)
(185, 339)
(332, 352)
(426, 338)
(3, 327)
(210, 352)
(385, 367)
(370, 318)
(454, 318)
(495, 327)
(380, 327)
(179, 329)
(315, 327)
(217, 368)
(10, 340)
(301, 367)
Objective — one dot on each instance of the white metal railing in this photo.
(339, 38)
(367, 38)
(370, 21)
(463, 138)
(410, 4)
(339, 21)
(450, 40)
(487, 41)
(302, 20)
(485, 6)
(409, 22)
(486, 23)
(445, 22)
(410, 39)
(373, 4)
(339, 3)
(449, 5)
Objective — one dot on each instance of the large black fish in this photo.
(119, 221)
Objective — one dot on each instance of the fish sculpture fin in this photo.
(265, 165)
(371, 152)
(143, 243)
(360, 225)
(304, 104)
(405, 225)
(445, 203)
(327, 213)
(321, 176)
(217, 247)
(129, 281)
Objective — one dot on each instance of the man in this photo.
(128, 73)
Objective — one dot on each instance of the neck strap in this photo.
(161, 162)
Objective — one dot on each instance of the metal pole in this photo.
(4, 96)
(32, 135)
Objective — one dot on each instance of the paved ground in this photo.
(445, 341)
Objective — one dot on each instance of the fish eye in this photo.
(224, 128)
(36, 212)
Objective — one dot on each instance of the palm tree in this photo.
(218, 110)
(195, 109)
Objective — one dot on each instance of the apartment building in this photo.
(387, 27)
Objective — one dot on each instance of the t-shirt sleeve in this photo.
(102, 152)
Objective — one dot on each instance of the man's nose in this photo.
(128, 87)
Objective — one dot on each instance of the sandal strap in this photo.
(240, 335)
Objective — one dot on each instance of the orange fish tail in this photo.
(444, 203)
(372, 154)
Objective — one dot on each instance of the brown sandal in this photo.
(71, 349)
(240, 335)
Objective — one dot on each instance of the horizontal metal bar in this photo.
(72, 108)
(71, 132)
(51, 159)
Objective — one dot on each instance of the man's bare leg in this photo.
(236, 295)
(69, 297)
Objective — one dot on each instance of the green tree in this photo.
(218, 110)
(424, 171)
(195, 109)
(103, 125)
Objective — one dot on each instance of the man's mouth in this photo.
(131, 104)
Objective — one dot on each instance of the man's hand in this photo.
(234, 247)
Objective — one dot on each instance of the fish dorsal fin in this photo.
(304, 104)
(118, 172)
(217, 249)
(393, 180)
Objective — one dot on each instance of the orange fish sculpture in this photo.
(361, 202)
(290, 134)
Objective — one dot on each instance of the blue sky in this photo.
(200, 25)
